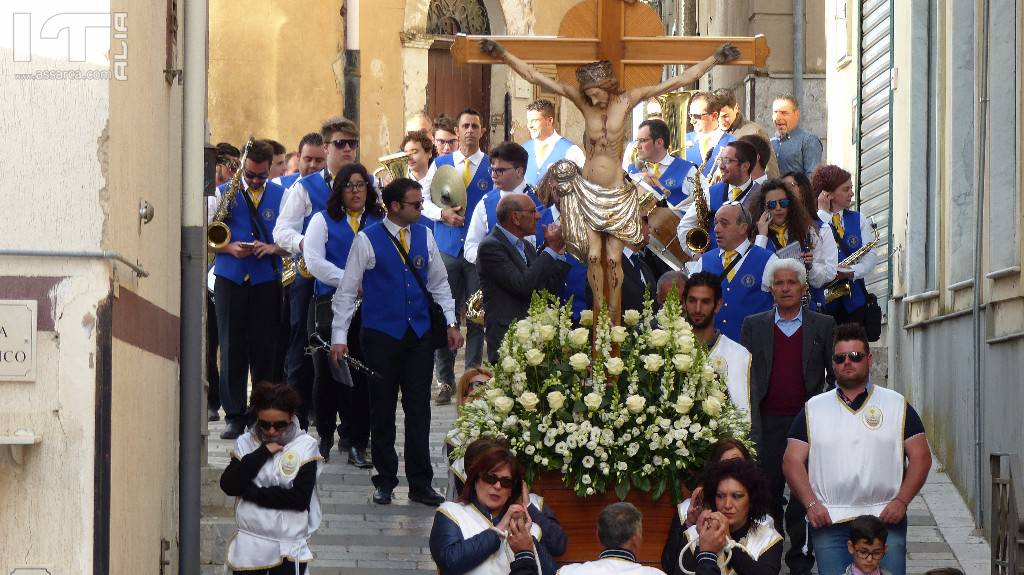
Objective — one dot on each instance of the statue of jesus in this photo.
(601, 210)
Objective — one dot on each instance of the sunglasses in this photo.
(697, 116)
(772, 204)
(254, 176)
(855, 357)
(276, 425)
(342, 144)
(477, 383)
(417, 204)
(491, 478)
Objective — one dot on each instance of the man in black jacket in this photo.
(511, 270)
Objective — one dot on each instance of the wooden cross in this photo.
(629, 35)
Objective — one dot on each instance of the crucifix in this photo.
(608, 58)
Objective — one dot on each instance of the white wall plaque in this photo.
(17, 340)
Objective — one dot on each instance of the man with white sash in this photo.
(546, 146)
(861, 450)
(620, 530)
(668, 177)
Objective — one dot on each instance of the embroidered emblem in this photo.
(748, 280)
(288, 464)
(873, 417)
(418, 262)
(670, 183)
(268, 214)
(482, 184)
(854, 241)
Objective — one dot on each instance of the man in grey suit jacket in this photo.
(511, 270)
(791, 349)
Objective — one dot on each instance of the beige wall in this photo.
(275, 68)
(381, 101)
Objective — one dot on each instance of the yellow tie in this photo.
(704, 142)
(542, 154)
(780, 234)
(256, 194)
(735, 193)
(467, 173)
(837, 223)
(353, 221)
(657, 171)
(403, 236)
(729, 256)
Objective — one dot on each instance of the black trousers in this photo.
(774, 437)
(212, 372)
(839, 313)
(404, 365)
(285, 568)
(298, 366)
(330, 398)
(247, 323)
(281, 340)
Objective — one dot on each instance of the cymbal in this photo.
(447, 188)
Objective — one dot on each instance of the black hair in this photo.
(270, 395)
(310, 139)
(851, 332)
(260, 152)
(471, 112)
(658, 129)
(512, 153)
(761, 145)
(746, 153)
(706, 279)
(336, 202)
(226, 149)
(868, 528)
(749, 474)
(396, 190)
(277, 146)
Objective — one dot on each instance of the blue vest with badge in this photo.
(535, 172)
(287, 180)
(339, 242)
(258, 270)
(742, 296)
(850, 242)
(491, 209)
(392, 299)
(450, 239)
(318, 190)
(673, 178)
(693, 151)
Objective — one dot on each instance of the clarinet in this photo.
(808, 247)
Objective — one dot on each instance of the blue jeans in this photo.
(833, 557)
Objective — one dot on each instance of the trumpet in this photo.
(218, 234)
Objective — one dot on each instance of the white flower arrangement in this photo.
(642, 418)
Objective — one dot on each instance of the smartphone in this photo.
(247, 245)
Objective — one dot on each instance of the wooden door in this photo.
(452, 88)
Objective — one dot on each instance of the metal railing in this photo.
(1007, 503)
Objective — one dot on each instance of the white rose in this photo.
(556, 399)
(682, 361)
(588, 461)
(579, 361)
(683, 404)
(529, 401)
(534, 356)
(503, 404)
(653, 362)
(493, 393)
(619, 333)
(635, 404)
(712, 406)
(659, 337)
(547, 332)
(579, 336)
(592, 400)
(686, 344)
(631, 317)
(508, 364)
(614, 365)
(530, 450)
(590, 491)
(524, 332)
(587, 317)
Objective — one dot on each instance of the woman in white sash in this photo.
(734, 534)
(273, 473)
(469, 535)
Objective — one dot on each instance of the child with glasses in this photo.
(867, 546)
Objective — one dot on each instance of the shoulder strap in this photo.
(405, 255)
(258, 225)
(732, 264)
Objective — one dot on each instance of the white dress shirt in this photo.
(687, 187)
(432, 210)
(478, 226)
(315, 252)
(826, 255)
(294, 208)
(867, 263)
(573, 154)
(361, 258)
(743, 249)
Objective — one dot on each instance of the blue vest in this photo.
(535, 172)
(743, 295)
(575, 286)
(672, 178)
(491, 209)
(318, 190)
(450, 239)
(289, 179)
(693, 150)
(392, 299)
(339, 242)
(850, 243)
(259, 270)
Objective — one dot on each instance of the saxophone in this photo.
(838, 288)
(218, 234)
(698, 238)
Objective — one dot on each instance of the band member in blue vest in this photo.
(395, 335)
(741, 266)
(833, 187)
(304, 198)
(787, 230)
(707, 139)
(277, 165)
(546, 147)
(508, 164)
(352, 207)
(669, 177)
(736, 161)
(310, 157)
(248, 286)
(450, 228)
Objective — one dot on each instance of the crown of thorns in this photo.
(594, 73)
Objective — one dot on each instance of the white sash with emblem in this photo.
(759, 538)
(471, 522)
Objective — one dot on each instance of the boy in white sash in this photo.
(620, 529)
(846, 457)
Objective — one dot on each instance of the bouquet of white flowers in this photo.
(643, 418)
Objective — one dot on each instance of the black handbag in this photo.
(438, 324)
(872, 317)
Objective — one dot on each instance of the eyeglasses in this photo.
(491, 478)
(260, 176)
(499, 171)
(728, 161)
(451, 142)
(418, 204)
(865, 554)
(277, 425)
(355, 186)
(772, 204)
(342, 144)
(855, 357)
(642, 141)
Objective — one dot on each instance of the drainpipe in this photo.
(798, 50)
(193, 285)
(981, 122)
(351, 15)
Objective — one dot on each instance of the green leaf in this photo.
(659, 489)
(642, 483)
(622, 487)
